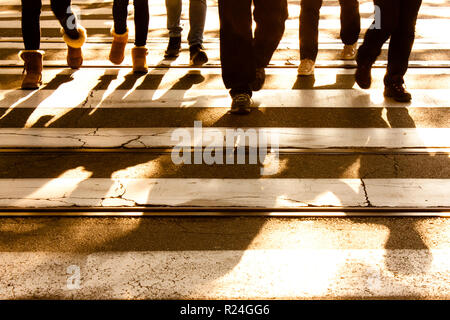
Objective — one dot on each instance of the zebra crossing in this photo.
(98, 143)
(106, 108)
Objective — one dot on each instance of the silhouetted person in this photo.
(309, 32)
(197, 18)
(73, 34)
(120, 34)
(397, 20)
(243, 55)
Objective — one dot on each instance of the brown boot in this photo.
(139, 57)
(74, 53)
(117, 52)
(33, 67)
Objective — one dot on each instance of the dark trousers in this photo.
(141, 19)
(398, 21)
(309, 25)
(241, 52)
(31, 12)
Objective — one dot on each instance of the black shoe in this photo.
(241, 104)
(173, 48)
(198, 55)
(363, 76)
(258, 83)
(397, 92)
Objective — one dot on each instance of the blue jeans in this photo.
(197, 17)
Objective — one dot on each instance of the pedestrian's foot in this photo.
(139, 58)
(260, 77)
(397, 92)
(198, 55)
(241, 104)
(33, 68)
(173, 48)
(363, 76)
(74, 57)
(74, 47)
(306, 67)
(349, 51)
(117, 52)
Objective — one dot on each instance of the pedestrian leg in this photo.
(309, 35)
(375, 37)
(173, 9)
(119, 31)
(350, 27)
(236, 51)
(197, 18)
(141, 21)
(31, 34)
(270, 17)
(400, 47)
(74, 35)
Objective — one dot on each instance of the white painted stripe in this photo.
(229, 274)
(188, 192)
(167, 137)
(57, 102)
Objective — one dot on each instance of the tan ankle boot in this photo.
(139, 57)
(117, 52)
(33, 67)
(74, 53)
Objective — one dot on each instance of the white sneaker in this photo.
(349, 51)
(306, 67)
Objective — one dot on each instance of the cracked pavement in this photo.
(131, 178)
